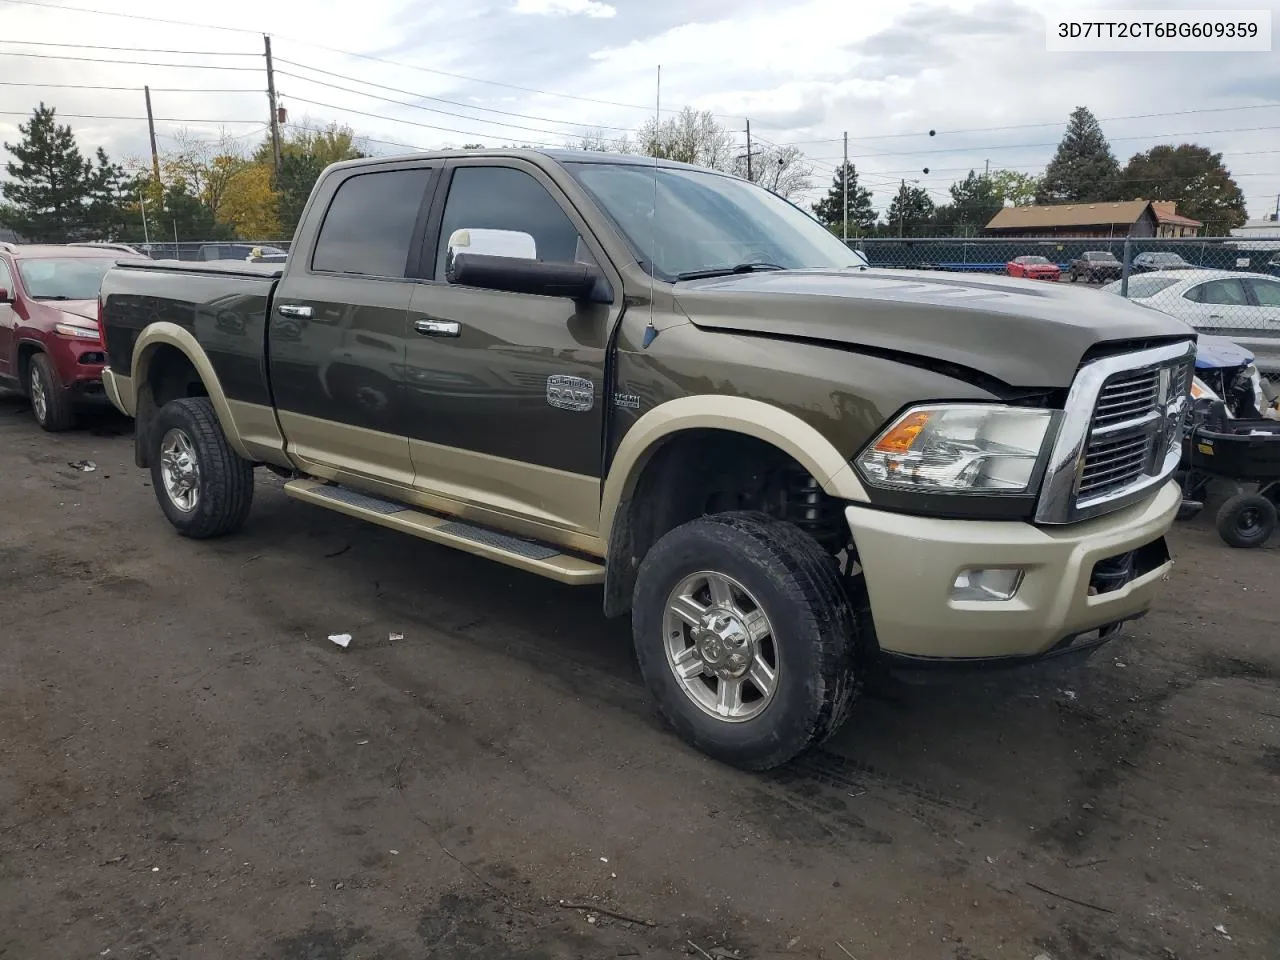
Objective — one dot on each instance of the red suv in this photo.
(50, 348)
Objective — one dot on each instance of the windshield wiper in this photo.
(750, 267)
(54, 297)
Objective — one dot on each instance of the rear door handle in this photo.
(438, 328)
(294, 310)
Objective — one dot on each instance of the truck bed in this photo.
(223, 305)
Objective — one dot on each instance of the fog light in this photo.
(987, 583)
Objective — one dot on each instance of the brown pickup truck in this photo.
(669, 382)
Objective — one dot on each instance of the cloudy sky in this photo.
(426, 74)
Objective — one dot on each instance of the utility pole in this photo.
(151, 128)
(987, 172)
(749, 176)
(902, 202)
(844, 175)
(271, 96)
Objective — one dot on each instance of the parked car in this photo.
(1033, 268)
(233, 251)
(50, 348)
(1095, 266)
(671, 382)
(123, 248)
(1146, 262)
(1242, 306)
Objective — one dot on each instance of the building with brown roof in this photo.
(1127, 218)
(1169, 223)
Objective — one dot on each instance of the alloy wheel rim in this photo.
(720, 646)
(39, 404)
(180, 470)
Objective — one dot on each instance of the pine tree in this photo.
(974, 201)
(51, 187)
(830, 209)
(910, 212)
(1084, 170)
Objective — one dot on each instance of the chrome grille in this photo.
(1120, 435)
(1128, 440)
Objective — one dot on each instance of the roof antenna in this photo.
(650, 332)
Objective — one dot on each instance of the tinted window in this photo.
(1225, 292)
(1267, 292)
(1142, 287)
(504, 212)
(368, 228)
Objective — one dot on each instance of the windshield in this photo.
(1142, 287)
(1099, 256)
(1031, 260)
(1164, 258)
(707, 221)
(73, 278)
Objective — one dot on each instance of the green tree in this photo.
(830, 209)
(304, 153)
(51, 186)
(1193, 176)
(1083, 170)
(1015, 187)
(974, 201)
(911, 213)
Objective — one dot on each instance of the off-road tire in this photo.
(1247, 520)
(798, 585)
(226, 478)
(59, 411)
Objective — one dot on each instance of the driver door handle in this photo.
(294, 310)
(438, 328)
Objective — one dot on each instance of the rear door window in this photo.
(368, 228)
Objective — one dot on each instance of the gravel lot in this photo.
(189, 768)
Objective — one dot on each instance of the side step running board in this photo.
(530, 555)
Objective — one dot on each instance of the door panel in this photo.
(505, 392)
(337, 328)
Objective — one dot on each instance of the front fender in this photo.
(753, 418)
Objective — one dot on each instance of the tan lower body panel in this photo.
(911, 563)
(561, 567)
(552, 497)
(259, 432)
(554, 508)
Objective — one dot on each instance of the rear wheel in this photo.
(50, 404)
(204, 487)
(1247, 520)
(746, 638)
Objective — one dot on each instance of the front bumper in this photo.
(910, 564)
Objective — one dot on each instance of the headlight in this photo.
(958, 448)
(76, 331)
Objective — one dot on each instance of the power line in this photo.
(412, 123)
(138, 63)
(135, 89)
(132, 16)
(102, 116)
(415, 106)
(1029, 146)
(345, 53)
(1047, 123)
(94, 46)
(411, 93)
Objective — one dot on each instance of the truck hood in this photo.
(1022, 334)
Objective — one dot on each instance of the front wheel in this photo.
(204, 487)
(1247, 520)
(746, 638)
(50, 404)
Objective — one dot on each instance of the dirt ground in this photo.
(189, 768)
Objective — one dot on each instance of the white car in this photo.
(1242, 306)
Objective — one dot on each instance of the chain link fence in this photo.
(1221, 286)
(204, 250)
